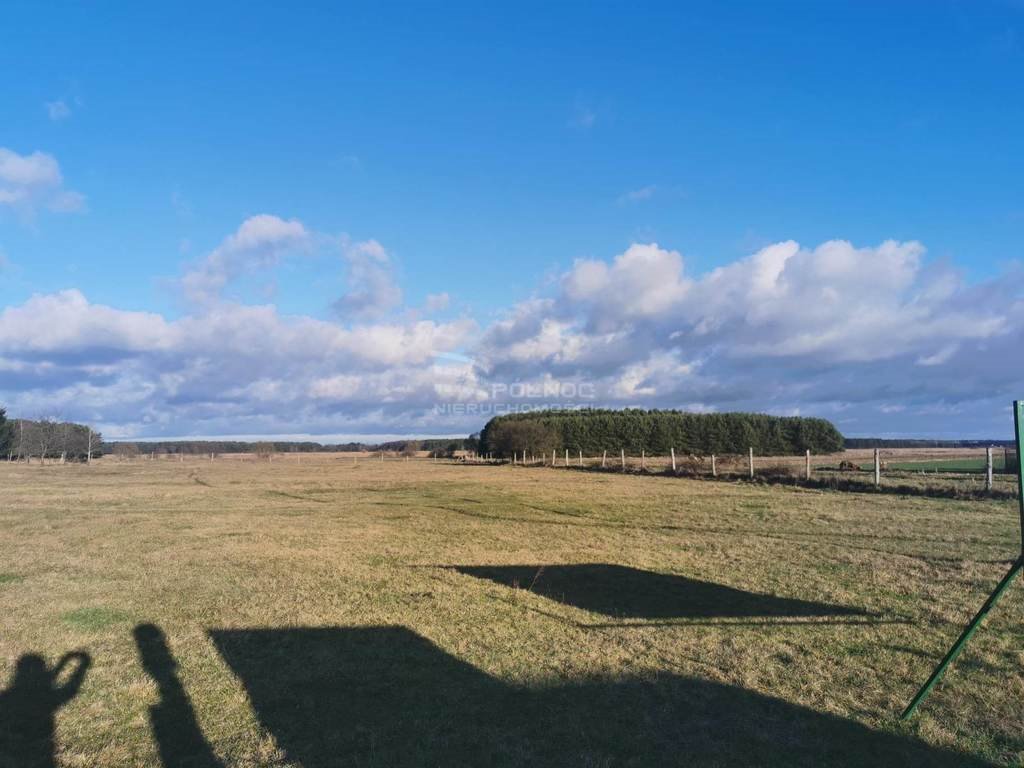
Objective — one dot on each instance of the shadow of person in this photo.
(28, 708)
(178, 736)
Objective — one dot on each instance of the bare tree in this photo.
(44, 437)
(264, 451)
(126, 450)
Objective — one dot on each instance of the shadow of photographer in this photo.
(28, 707)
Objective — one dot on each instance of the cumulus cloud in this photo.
(67, 321)
(258, 244)
(836, 329)
(372, 288)
(29, 182)
(644, 281)
(875, 337)
(229, 368)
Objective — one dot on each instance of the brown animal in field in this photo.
(847, 466)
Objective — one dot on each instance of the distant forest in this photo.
(438, 446)
(22, 439)
(591, 431)
(875, 442)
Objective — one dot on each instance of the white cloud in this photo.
(875, 337)
(372, 288)
(227, 365)
(643, 281)
(660, 373)
(28, 182)
(58, 110)
(787, 327)
(258, 243)
(33, 326)
(436, 302)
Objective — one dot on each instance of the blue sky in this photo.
(488, 153)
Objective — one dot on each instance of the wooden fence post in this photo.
(673, 460)
(552, 457)
(750, 462)
(807, 468)
(878, 469)
(623, 452)
(581, 458)
(714, 469)
(643, 459)
(604, 459)
(567, 457)
(988, 469)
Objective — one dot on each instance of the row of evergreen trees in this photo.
(593, 431)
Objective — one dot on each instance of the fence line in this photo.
(787, 466)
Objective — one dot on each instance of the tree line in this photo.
(206, 447)
(877, 442)
(27, 439)
(437, 446)
(656, 432)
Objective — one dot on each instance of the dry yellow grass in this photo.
(334, 613)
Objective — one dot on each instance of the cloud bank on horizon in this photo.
(876, 338)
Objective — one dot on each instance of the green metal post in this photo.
(962, 640)
(1018, 424)
(1015, 569)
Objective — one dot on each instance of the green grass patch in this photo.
(943, 465)
(10, 578)
(94, 618)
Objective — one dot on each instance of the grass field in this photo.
(973, 464)
(412, 613)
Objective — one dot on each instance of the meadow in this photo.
(344, 611)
